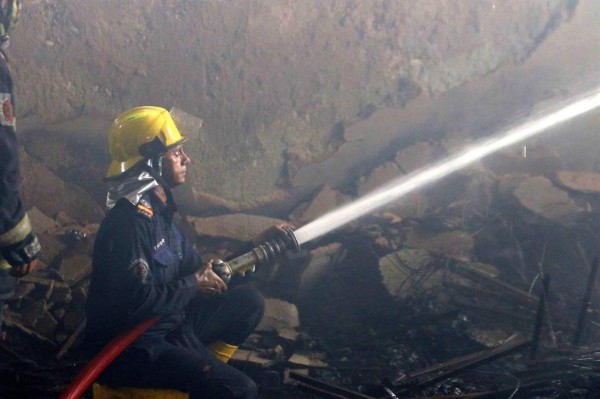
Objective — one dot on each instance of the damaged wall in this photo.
(306, 106)
(266, 78)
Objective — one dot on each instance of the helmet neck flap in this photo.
(134, 184)
(131, 186)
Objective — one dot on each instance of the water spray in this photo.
(406, 184)
(397, 188)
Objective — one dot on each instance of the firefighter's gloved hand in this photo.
(22, 256)
(23, 270)
(209, 283)
(278, 230)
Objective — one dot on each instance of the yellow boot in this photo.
(222, 351)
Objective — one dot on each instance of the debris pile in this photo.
(445, 292)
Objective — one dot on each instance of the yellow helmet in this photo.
(140, 133)
(9, 13)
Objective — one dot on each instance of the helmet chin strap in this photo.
(156, 164)
(155, 169)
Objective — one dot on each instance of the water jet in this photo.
(396, 189)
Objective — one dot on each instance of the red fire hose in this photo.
(99, 362)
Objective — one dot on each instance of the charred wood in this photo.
(324, 388)
(586, 303)
(517, 294)
(438, 372)
(539, 320)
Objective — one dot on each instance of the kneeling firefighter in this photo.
(143, 267)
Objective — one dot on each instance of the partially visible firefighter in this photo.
(144, 267)
(19, 246)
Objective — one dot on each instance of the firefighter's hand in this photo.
(23, 270)
(209, 283)
(278, 230)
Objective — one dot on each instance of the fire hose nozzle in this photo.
(258, 255)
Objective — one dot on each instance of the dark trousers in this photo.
(181, 360)
(1, 313)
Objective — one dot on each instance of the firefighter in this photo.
(143, 267)
(19, 246)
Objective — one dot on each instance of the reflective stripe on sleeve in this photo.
(4, 265)
(17, 233)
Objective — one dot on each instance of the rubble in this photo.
(279, 316)
(58, 195)
(321, 262)
(239, 226)
(441, 274)
(539, 195)
(582, 181)
(311, 360)
(422, 299)
(74, 269)
(409, 271)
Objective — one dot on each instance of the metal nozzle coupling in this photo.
(263, 253)
(270, 249)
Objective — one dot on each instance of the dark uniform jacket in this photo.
(18, 244)
(142, 267)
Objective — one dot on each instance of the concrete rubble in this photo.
(462, 260)
(306, 109)
(475, 260)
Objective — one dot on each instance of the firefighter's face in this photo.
(174, 167)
